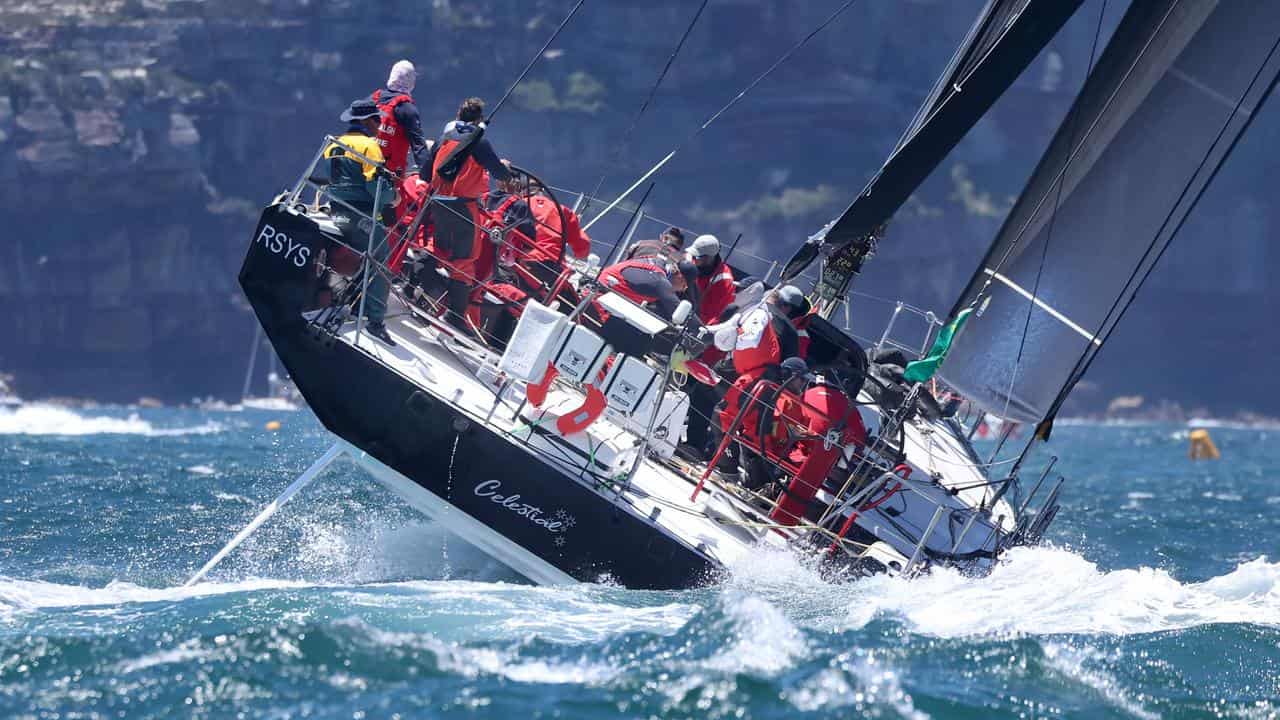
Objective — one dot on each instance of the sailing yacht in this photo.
(453, 424)
(281, 395)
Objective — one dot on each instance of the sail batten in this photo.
(1174, 90)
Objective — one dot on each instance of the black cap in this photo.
(794, 366)
(360, 110)
(676, 233)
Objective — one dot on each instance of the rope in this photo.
(529, 67)
(626, 136)
(785, 56)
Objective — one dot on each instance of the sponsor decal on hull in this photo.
(558, 522)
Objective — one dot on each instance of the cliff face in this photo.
(139, 138)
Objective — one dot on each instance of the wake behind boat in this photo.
(542, 424)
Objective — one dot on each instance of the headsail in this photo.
(1007, 36)
(1178, 84)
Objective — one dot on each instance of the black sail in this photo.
(1178, 84)
(1006, 38)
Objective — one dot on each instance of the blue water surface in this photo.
(1156, 596)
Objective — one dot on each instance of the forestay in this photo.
(1006, 37)
(1177, 85)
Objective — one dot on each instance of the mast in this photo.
(1005, 39)
(1177, 86)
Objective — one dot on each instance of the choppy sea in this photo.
(1157, 595)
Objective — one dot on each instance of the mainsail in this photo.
(1007, 36)
(1178, 84)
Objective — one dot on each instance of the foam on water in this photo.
(1043, 591)
(17, 596)
(1032, 591)
(53, 420)
(765, 641)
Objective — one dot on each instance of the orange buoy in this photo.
(273, 426)
(1202, 447)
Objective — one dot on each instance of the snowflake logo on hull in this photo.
(566, 520)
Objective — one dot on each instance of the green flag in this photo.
(924, 368)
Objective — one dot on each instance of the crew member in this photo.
(784, 407)
(715, 280)
(357, 184)
(830, 422)
(760, 337)
(556, 229)
(801, 322)
(400, 130)
(655, 282)
(669, 245)
(463, 162)
(508, 212)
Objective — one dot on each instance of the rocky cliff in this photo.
(138, 139)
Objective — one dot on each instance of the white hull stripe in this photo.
(1044, 306)
(461, 524)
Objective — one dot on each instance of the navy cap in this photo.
(360, 110)
(793, 366)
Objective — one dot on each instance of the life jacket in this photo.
(549, 244)
(827, 408)
(824, 411)
(757, 345)
(470, 181)
(516, 246)
(716, 291)
(612, 278)
(413, 193)
(392, 138)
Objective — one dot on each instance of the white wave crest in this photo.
(765, 642)
(472, 662)
(53, 420)
(1032, 591)
(1044, 591)
(20, 596)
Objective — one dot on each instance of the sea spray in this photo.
(338, 607)
(38, 419)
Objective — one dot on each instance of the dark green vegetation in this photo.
(140, 138)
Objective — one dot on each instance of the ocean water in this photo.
(1158, 595)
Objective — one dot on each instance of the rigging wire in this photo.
(715, 116)
(635, 121)
(1053, 216)
(534, 61)
(1143, 269)
(1008, 253)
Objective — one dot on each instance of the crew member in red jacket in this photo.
(829, 421)
(760, 338)
(462, 165)
(400, 128)
(716, 290)
(801, 323)
(654, 282)
(557, 229)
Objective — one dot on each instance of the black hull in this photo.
(560, 520)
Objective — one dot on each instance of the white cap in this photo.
(403, 77)
(704, 246)
(791, 295)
